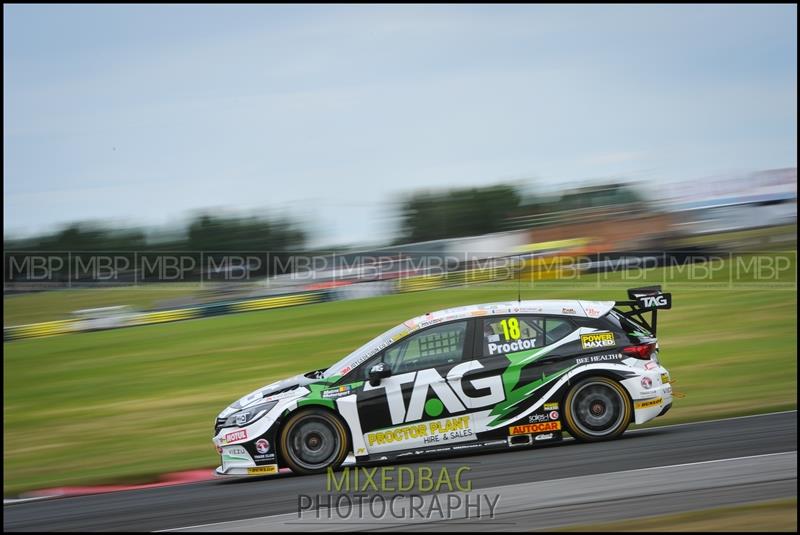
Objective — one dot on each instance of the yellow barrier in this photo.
(36, 330)
(275, 302)
(422, 282)
(50, 328)
(149, 318)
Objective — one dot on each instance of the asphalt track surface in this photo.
(646, 472)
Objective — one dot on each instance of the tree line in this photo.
(424, 215)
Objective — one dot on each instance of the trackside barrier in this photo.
(455, 278)
(52, 328)
(35, 330)
(403, 285)
(276, 302)
(149, 318)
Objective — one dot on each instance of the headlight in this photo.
(249, 415)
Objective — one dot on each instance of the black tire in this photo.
(597, 408)
(312, 440)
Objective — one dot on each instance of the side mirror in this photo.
(378, 372)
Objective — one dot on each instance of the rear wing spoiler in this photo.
(645, 300)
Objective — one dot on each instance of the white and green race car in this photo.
(491, 376)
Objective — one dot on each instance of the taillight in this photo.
(641, 351)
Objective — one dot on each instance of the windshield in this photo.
(367, 350)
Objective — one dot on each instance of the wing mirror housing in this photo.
(378, 372)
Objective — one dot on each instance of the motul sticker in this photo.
(233, 437)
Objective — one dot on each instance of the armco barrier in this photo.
(276, 302)
(409, 284)
(162, 316)
(35, 330)
(51, 328)
(454, 278)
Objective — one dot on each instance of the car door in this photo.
(501, 341)
(523, 350)
(403, 410)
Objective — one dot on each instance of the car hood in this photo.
(277, 390)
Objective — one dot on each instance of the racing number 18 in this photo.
(510, 328)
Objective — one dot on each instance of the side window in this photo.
(432, 347)
(556, 329)
(509, 334)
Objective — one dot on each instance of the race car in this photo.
(479, 377)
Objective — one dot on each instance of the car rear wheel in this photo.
(597, 408)
(313, 440)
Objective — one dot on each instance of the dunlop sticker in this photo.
(268, 469)
(648, 403)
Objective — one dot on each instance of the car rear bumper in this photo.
(651, 393)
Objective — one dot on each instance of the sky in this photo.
(142, 115)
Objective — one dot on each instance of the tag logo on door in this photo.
(449, 390)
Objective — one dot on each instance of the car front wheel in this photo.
(597, 408)
(313, 440)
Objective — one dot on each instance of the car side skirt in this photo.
(509, 442)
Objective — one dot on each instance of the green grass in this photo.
(778, 515)
(130, 403)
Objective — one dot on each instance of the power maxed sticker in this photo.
(596, 340)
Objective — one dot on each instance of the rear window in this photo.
(628, 325)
